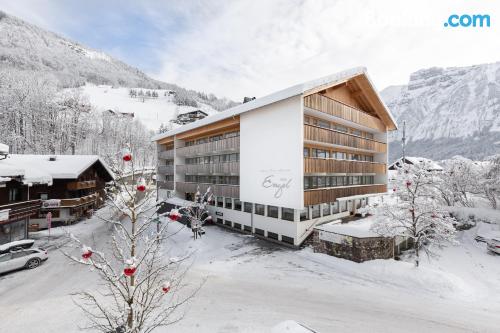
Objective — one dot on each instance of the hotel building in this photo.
(284, 163)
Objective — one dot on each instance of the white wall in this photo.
(271, 144)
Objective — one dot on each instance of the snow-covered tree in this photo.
(460, 179)
(414, 213)
(491, 182)
(142, 288)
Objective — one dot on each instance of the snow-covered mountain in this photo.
(448, 111)
(26, 47)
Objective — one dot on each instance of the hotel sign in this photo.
(51, 203)
(277, 184)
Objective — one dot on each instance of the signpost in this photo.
(49, 222)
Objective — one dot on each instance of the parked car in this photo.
(16, 245)
(25, 258)
(494, 245)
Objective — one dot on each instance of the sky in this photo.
(254, 47)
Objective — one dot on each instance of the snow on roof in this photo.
(295, 90)
(4, 148)
(418, 161)
(40, 169)
(359, 228)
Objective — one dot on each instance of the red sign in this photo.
(49, 220)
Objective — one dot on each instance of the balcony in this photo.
(321, 165)
(228, 168)
(75, 186)
(166, 169)
(165, 185)
(21, 210)
(317, 196)
(72, 202)
(333, 137)
(232, 191)
(337, 109)
(208, 148)
(166, 154)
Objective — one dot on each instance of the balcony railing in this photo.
(317, 196)
(228, 168)
(74, 186)
(232, 191)
(166, 169)
(166, 185)
(220, 146)
(322, 165)
(334, 108)
(314, 133)
(166, 154)
(21, 210)
(72, 202)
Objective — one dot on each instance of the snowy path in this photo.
(253, 285)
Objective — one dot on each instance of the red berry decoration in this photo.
(141, 185)
(394, 190)
(174, 215)
(166, 287)
(408, 183)
(433, 216)
(127, 156)
(129, 271)
(86, 253)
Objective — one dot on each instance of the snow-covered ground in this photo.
(256, 286)
(152, 112)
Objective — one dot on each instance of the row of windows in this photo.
(248, 207)
(214, 159)
(333, 181)
(213, 138)
(260, 232)
(338, 155)
(333, 126)
(222, 180)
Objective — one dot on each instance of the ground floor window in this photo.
(272, 211)
(219, 221)
(326, 209)
(259, 232)
(13, 231)
(247, 207)
(247, 228)
(237, 204)
(229, 203)
(304, 214)
(316, 211)
(287, 214)
(260, 209)
(237, 226)
(228, 223)
(335, 207)
(220, 202)
(287, 239)
(272, 235)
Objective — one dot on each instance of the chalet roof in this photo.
(324, 82)
(432, 166)
(41, 169)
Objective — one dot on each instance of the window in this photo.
(44, 196)
(219, 221)
(216, 137)
(237, 204)
(229, 203)
(237, 226)
(259, 232)
(247, 228)
(307, 183)
(287, 214)
(286, 239)
(5, 257)
(304, 214)
(259, 209)
(316, 211)
(306, 152)
(247, 208)
(272, 235)
(326, 209)
(232, 134)
(228, 223)
(341, 128)
(272, 211)
(220, 202)
(14, 195)
(322, 123)
(307, 120)
(335, 207)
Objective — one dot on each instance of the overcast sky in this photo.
(250, 48)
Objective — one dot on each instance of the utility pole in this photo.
(404, 141)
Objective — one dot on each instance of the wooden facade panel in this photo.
(224, 145)
(334, 108)
(166, 169)
(228, 168)
(320, 165)
(317, 196)
(319, 134)
(166, 154)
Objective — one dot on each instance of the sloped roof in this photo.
(418, 161)
(40, 169)
(295, 90)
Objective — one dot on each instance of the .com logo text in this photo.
(465, 20)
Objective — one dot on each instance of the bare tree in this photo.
(414, 213)
(142, 289)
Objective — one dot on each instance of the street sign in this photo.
(49, 220)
